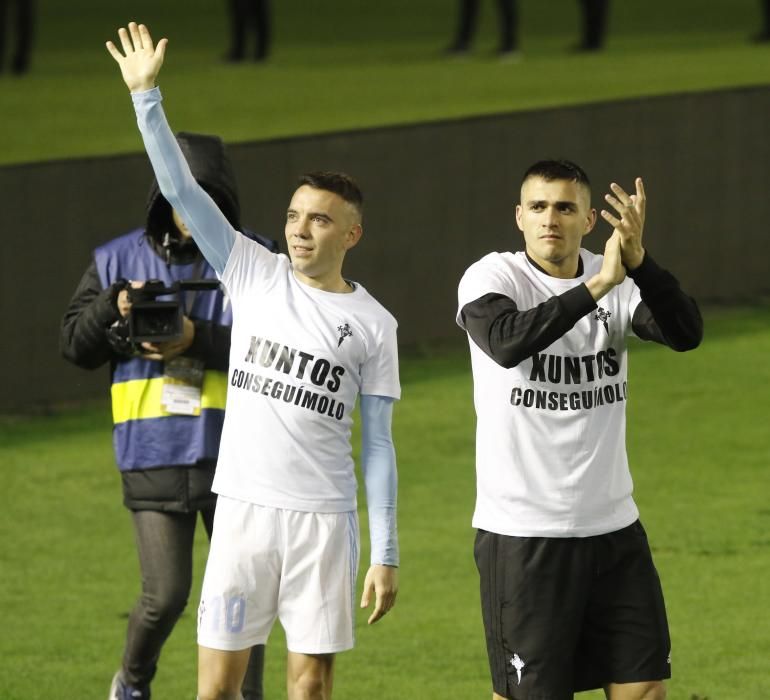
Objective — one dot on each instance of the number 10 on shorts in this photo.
(221, 614)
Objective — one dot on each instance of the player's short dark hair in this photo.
(339, 183)
(557, 170)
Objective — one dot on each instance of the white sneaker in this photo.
(115, 687)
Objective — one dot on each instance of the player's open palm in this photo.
(141, 60)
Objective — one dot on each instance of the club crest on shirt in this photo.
(345, 332)
(604, 316)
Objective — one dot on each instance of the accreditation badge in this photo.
(182, 386)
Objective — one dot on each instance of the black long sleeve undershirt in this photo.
(666, 315)
(509, 336)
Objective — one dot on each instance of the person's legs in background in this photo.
(595, 14)
(764, 34)
(164, 543)
(249, 17)
(262, 28)
(3, 30)
(466, 26)
(509, 27)
(25, 27)
(238, 11)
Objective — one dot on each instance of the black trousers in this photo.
(20, 16)
(164, 542)
(594, 22)
(248, 16)
(466, 27)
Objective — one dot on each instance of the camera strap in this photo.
(192, 294)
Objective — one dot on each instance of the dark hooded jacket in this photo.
(85, 341)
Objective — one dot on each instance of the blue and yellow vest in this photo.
(144, 434)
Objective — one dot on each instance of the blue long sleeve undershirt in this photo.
(378, 466)
(215, 237)
(209, 227)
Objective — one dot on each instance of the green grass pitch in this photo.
(699, 452)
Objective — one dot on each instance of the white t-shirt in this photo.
(550, 438)
(299, 358)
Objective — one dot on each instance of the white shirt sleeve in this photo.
(379, 373)
(485, 276)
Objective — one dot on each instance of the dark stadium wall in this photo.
(438, 197)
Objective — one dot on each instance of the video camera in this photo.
(154, 320)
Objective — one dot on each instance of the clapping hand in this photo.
(630, 225)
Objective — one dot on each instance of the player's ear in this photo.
(590, 221)
(518, 217)
(353, 236)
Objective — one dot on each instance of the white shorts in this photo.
(268, 562)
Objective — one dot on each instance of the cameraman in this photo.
(168, 402)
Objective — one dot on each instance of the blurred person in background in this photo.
(168, 402)
(468, 13)
(764, 34)
(249, 17)
(594, 27)
(17, 21)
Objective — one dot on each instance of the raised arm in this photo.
(140, 64)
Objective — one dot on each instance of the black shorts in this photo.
(563, 615)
